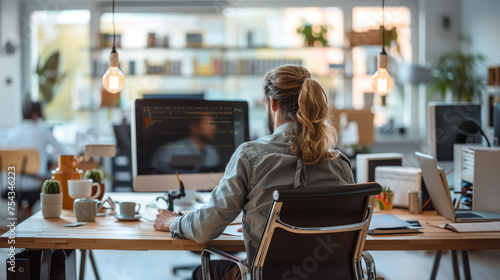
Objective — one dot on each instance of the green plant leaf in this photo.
(456, 73)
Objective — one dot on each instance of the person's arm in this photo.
(225, 204)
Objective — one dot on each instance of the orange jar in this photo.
(67, 170)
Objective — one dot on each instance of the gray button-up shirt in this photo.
(255, 170)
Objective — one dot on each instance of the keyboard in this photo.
(467, 215)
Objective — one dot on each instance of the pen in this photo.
(178, 180)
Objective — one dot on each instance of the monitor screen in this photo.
(194, 138)
(443, 132)
(189, 95)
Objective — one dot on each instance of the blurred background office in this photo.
(54, 53)
(31, 133)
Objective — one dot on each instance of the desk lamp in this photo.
(469, 126)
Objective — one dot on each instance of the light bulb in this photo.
(113, 80)
(381, 80)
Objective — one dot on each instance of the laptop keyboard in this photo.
(467, 215)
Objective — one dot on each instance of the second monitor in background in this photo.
(195, 138)
(443, 132)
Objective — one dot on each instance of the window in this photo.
(59, 65)
(389, 112)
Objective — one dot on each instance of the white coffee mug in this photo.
(82, 188)
(128, 209)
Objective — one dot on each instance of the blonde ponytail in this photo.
(303, 101)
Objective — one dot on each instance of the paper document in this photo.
(233, 230)
(473, 227)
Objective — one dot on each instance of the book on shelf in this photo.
(473, 227)
(390, 224)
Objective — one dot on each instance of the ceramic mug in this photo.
(127, 209)
(82, 188)
(85, 209)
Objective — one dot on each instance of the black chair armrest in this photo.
(205, 260)
(371, 273)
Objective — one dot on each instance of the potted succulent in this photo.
(96, 176)
(385, 198)
(51, 199)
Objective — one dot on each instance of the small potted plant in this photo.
(385, 198)
(51, 199)
(97, 177)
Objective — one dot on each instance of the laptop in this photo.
(439, 191)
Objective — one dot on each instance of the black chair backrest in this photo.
(123, 138)
(301, 255)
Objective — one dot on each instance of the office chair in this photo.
(318, 232)
(122, 162)
(25, 164)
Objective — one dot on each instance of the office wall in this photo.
(434, 40)
(480, 22)
(10, 65)
(437, 38)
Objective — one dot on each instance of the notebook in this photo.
(473, 227)
(390, 224)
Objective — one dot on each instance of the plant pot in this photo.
(384, 200)
(103, 189)
(51, 205)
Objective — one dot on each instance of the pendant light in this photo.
(381, 80)
(113, 80)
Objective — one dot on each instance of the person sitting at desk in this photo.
(298, 153)
(192, 154)
(30, 134)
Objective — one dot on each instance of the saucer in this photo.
(128, 219)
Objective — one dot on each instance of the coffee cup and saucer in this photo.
(128, 212)
(85, 205)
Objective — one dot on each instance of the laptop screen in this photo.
(437, 186)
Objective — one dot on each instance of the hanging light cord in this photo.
(383, 27)
(114, 35)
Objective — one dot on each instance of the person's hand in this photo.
(164, 219)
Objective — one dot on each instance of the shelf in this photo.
(493, 89)
(231, 76)
(394, 139)
(222, 49)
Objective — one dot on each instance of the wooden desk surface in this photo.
(109, 234)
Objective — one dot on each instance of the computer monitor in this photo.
(195, 138)
(188, 95)
(443, 132)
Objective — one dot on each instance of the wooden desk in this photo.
(109, 234)
(105, 233)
